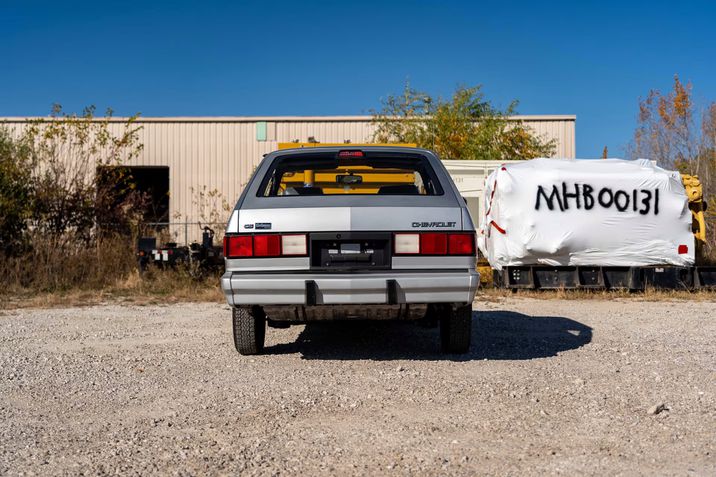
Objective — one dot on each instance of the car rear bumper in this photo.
(385, 287)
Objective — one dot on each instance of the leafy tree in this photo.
(15, 193)
(77, 185)
(670, 131)
(467, 126)
(67, 210)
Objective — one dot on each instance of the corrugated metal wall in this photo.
(206, 154)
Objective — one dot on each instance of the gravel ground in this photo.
(551, 386)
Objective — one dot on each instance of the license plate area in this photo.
(350, 251)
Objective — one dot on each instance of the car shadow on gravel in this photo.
(496, 335)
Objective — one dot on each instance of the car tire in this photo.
(456, 330)
(249, 330)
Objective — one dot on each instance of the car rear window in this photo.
(329, 174)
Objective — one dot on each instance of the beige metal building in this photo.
(219, 153)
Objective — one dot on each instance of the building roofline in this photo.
(250, 119)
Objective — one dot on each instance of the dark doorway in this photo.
(151, 182)
(154, 182)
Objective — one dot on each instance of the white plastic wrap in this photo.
(609, 212)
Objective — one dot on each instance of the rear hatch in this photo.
(349, 203)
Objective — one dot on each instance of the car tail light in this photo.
(407, 244)
(461, 244)
(293, 244)
(238, 246)
(265, 245)
(434, 243)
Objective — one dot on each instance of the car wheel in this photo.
(456, 329)
(249, 330)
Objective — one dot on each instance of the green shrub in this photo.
(65, 221)
(15, 193)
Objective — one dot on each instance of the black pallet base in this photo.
(605, 278)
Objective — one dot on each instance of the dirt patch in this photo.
(551, 386)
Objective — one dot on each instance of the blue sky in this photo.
(592, 59)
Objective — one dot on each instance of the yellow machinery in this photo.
(695, 193)
(326, 180)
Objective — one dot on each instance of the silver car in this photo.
(338, 233)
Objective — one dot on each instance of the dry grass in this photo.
(156, 287)
(61, 271)
(67, 262)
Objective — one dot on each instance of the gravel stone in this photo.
(138, 390)
(657, 408)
